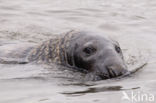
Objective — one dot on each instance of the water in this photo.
(131, 22)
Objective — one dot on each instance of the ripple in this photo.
(97, 90)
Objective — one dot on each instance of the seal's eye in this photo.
(89, 50)
(117, 48)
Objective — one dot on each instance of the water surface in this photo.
(131, 22)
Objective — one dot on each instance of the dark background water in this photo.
(131, 22)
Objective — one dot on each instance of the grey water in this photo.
(131, 22)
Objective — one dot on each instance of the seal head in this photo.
(93, 53)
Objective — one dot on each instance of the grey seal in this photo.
(84, 51)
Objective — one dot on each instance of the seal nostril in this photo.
(111, 72)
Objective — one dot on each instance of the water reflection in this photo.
(97, 90)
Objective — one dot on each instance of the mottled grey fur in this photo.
(53, 50)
